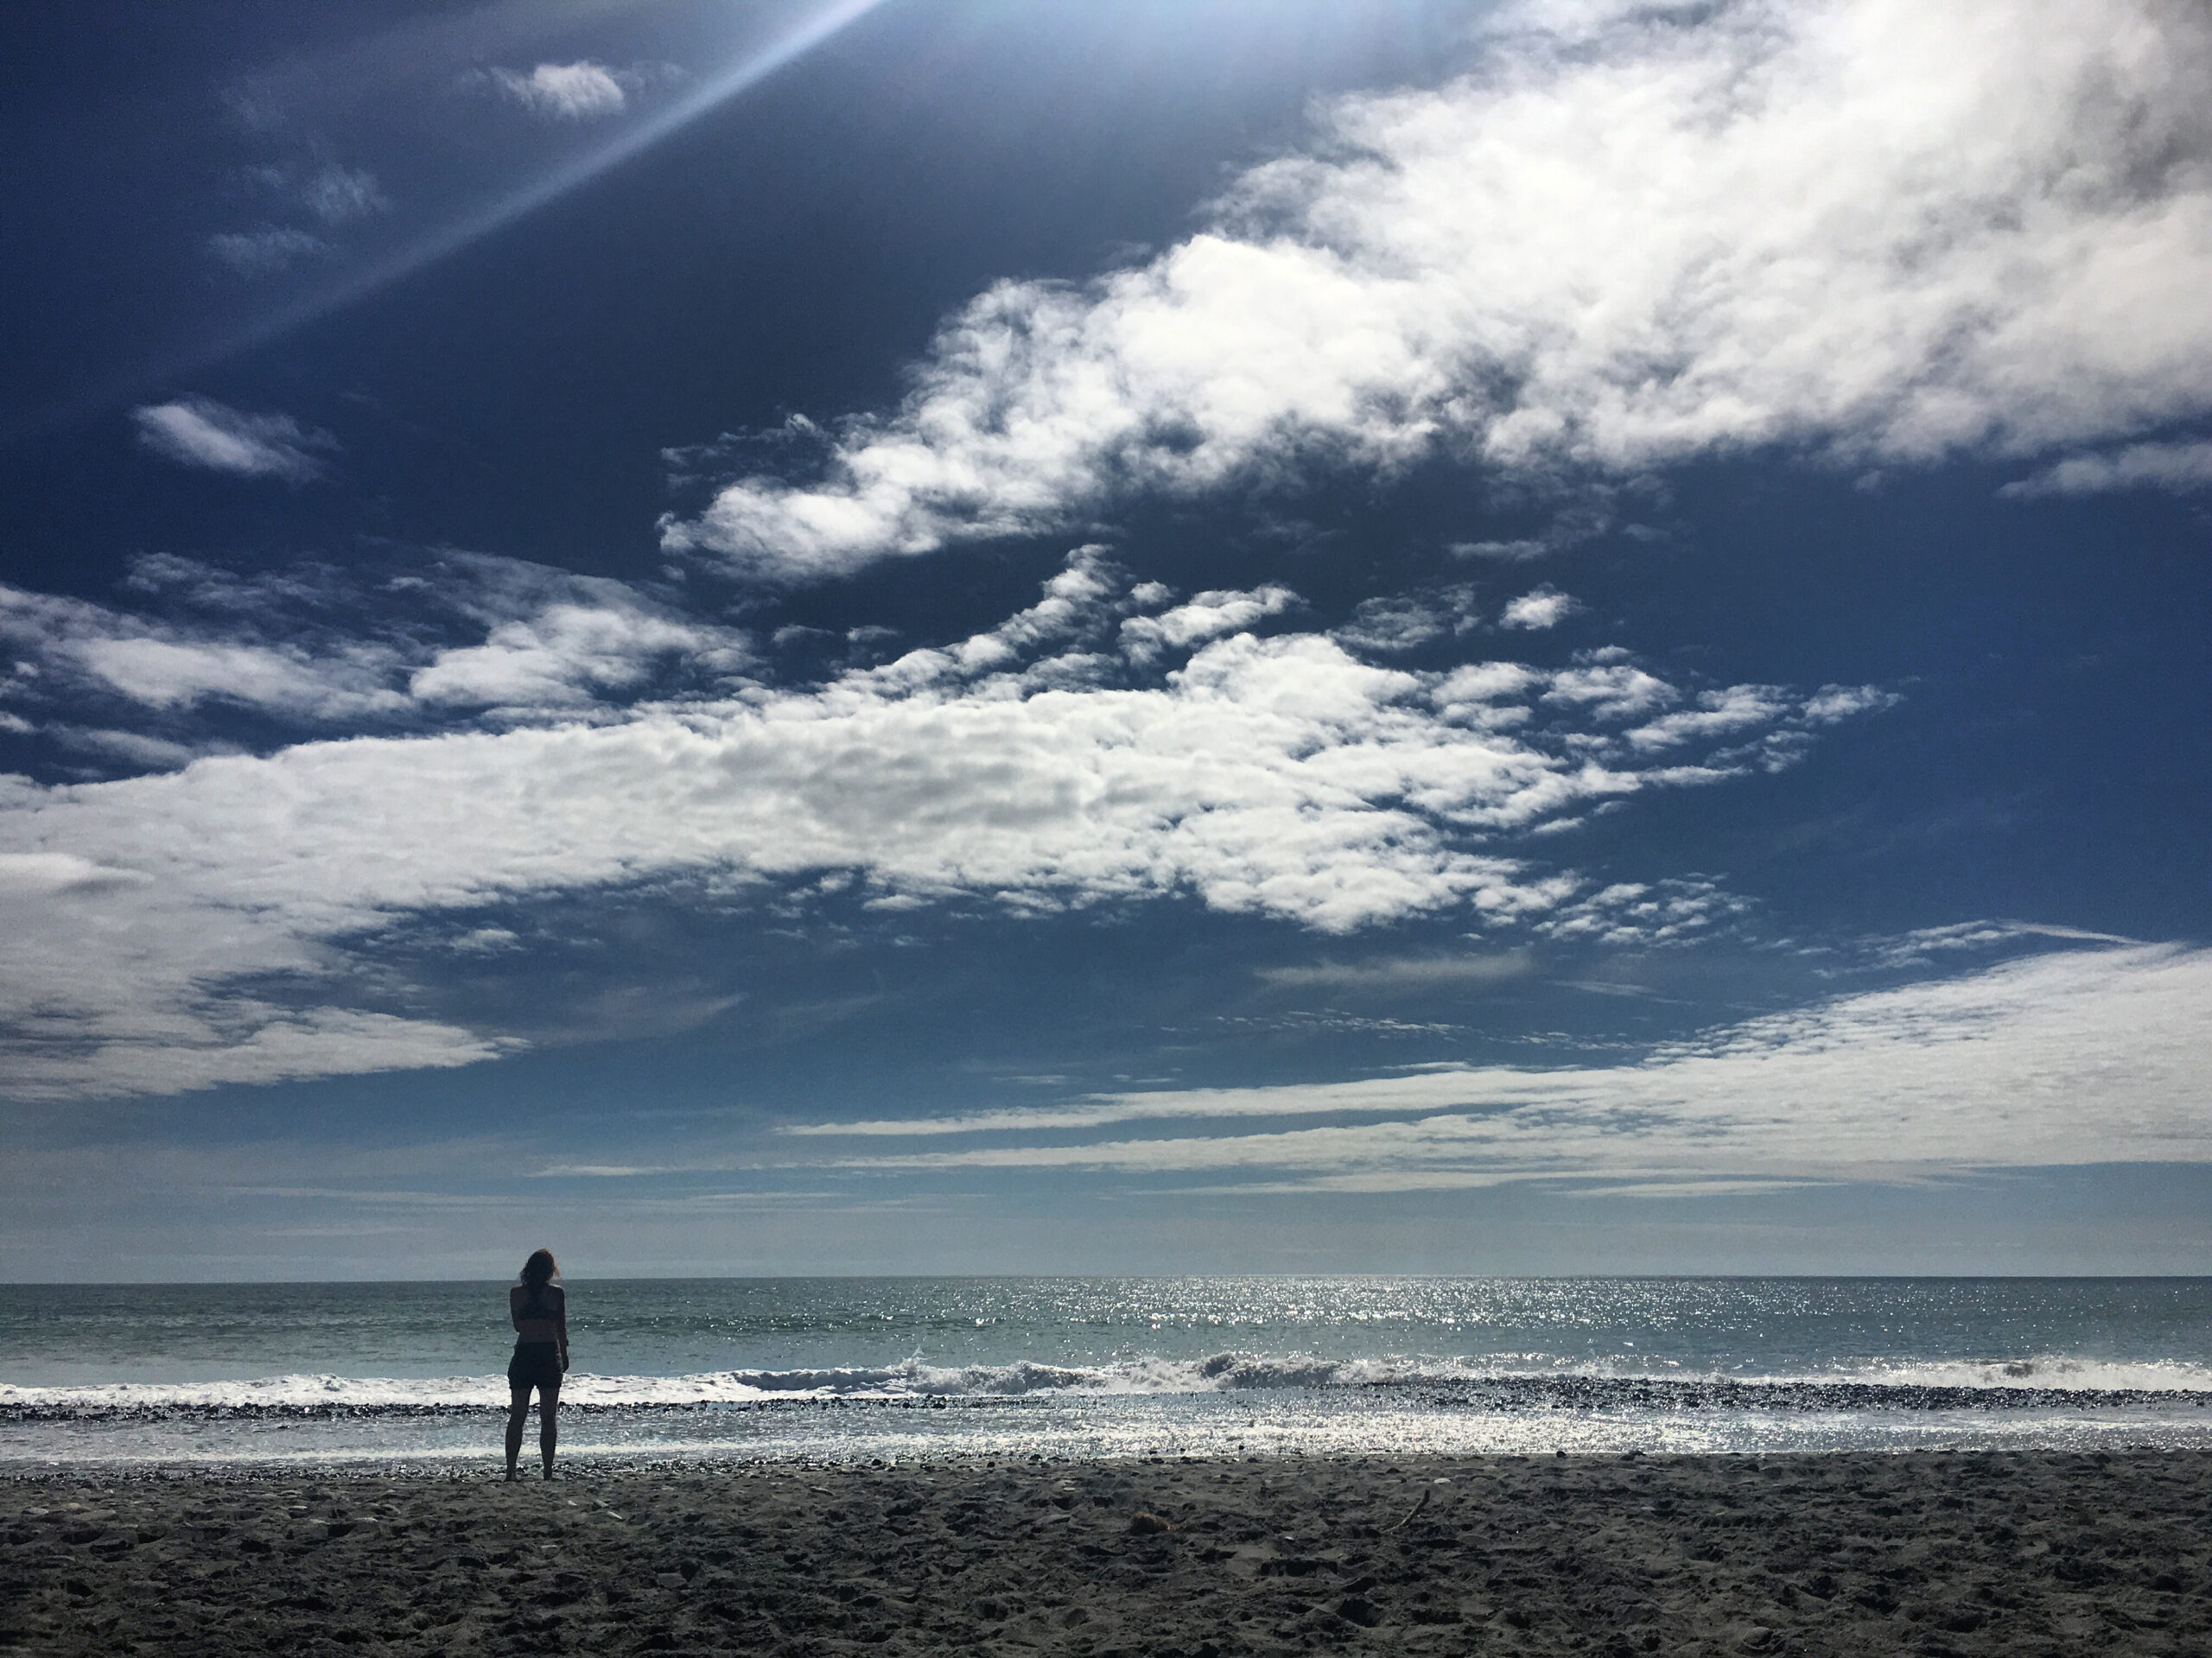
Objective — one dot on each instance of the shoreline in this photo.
(1502, 1416)
(23, 1403)
(1845, 1551)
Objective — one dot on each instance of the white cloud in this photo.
(1399, 972)
(160, 673)
(570, 91)
(335, 194)
(1394, 624)
(1608, 686)
(1718, 713)
(201, 432)
(50, 873)
(1646, 914)
(134, 750)
(240, 1041)
(263, 252)
(1277, 777)
(1921, 945)
(77, 645)
(1539, 608)
(2072, 1058)
(552, 644)
(487, 941)
(2176, 467)
(1208, 616)
(1503, 552)
(569, 655)
(1837, 702)
(1869, 232)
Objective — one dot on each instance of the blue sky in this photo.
(988, 636)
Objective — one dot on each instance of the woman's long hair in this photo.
(539, 1271)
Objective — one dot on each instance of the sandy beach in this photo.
(1931, 1553)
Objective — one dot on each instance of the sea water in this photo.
(901, 1369)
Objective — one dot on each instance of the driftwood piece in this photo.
(1410, 1515)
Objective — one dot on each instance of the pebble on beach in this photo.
(1931, 1553)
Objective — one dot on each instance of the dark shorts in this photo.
(535, 1364)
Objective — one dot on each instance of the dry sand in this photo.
(1924, 1553)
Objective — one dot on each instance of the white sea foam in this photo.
(915, 1380)
(2061, 1372)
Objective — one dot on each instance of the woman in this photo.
(540, 1312)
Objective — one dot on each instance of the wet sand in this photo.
(1933, 1553)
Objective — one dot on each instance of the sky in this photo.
(970, 636)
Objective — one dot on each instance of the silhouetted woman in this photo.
(540, 1312)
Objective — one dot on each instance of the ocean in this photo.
(902, 1369)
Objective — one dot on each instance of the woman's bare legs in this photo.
(548, 1428)
(518, 1408)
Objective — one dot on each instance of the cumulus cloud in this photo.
(2178, 468)
(1036, 765)
(571, 655)
(1844, 702)
(1607, 685)
(265, 251)
(568, 91)
(1868, 232)
(1540, 609)
(1208, 616)
(2064, 1059)
(201, 432)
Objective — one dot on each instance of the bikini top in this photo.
(543, 1302)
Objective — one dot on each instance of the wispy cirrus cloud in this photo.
(2178, 468)
(1390, 973)
(1626, 239)
(1925, 945)
(2068, 1058)
(1393, 624)
(337, 194)
(334, 194)
(201, 432)
(265, 251)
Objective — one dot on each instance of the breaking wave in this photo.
(1508, 1383)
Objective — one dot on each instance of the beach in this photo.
(1931, 1551)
